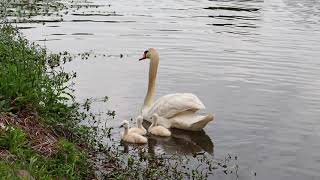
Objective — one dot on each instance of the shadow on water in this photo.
(186, 142)
(228, 24)
(58, 34)
(82, 34)
(45, 40)
(236, 17)
(95, 14)
(249, 1)
(27, 27)
(101, 21)
(232, 17)
(233, 8)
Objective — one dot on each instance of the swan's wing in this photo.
(137, 131)
(190, 121)
(172, 104)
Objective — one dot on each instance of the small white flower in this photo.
(8, 128)
(41, 103)
(2, 126)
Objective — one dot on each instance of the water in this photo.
(255, 64)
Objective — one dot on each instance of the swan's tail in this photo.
(190, 121)
(197, 126)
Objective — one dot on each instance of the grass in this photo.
(35, 94)
(67, 162)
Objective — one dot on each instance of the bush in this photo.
(32, 78)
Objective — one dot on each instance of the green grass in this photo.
(29, 76)
(68, 161)
(32, 79)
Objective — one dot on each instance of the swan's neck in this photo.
(154, 62)
(126, 130)
(153, 124)
(139, 124)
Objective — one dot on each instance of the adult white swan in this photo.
(174, 110)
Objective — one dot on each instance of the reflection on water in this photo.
(181, 142)
(237, 16)
(233, 9)
(99, 21)
(253, 63)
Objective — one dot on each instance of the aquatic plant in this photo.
(46, 11)
(24, 10)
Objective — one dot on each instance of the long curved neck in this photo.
(126, 130)
(139, 124)
(153, 124)
(153, 68)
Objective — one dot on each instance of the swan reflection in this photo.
(181, 142)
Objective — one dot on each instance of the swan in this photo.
(175, 110)
(131, 137)
(140, 129)
(158, 130)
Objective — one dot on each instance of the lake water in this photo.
(255, 64)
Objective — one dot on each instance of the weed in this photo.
(68, 162)
(14, 139)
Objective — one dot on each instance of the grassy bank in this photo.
(38, 115)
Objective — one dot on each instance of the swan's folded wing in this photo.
(191, 121)
(172, 104)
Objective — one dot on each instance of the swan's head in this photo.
(125, 124)
(154, 118)
(149, 54)
(139, 119)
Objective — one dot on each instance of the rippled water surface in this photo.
(253, 63)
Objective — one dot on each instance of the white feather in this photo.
(158, 130)
(132, 137)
